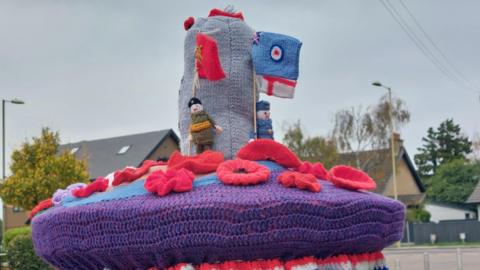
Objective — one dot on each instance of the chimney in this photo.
(398, 142)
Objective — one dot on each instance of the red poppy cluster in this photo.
(203, 163)
(242, 172)
(317, 169)
(164, 182)
(130, 174)
(299, 180)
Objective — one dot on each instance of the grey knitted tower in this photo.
(228, 101)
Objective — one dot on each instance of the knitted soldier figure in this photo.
(202, 125)
(264, 123)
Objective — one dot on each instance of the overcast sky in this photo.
(96, 69)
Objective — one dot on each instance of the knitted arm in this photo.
(211, 120)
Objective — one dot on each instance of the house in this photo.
(474, 199)
(15, 216)
(108, 155)
(378, 164)
(440, 211)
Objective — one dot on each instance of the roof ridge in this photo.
(116, 137)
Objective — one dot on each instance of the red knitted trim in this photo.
(316, 169)
(375, 260)
(163, 183)
(350, 178)
(99, 185)
(203, 163)
(45, 204)
(242, 172)
(299, 180)
(218, 12)
(130, 174)
(266, 149)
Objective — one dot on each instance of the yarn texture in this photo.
(229, 100)
(350, 178)
(299, 180)
(203, 163)
(217, 222)
(265, 149)
(367, 261)
(242, 172)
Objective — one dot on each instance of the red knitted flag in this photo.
(207, 60)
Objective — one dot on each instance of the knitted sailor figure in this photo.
(264, 123)
(202, 125)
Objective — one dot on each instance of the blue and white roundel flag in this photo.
(275, 59)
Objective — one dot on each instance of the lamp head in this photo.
(377, 83)
(17, 101)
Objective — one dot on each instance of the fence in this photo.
(433, 259)
(444, 231)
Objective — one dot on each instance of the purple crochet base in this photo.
(217, 223)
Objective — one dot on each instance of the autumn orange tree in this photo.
(38, 170)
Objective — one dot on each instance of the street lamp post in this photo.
(13, 101)
(392, 143)
(392, 129)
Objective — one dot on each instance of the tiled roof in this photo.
(104, 155)
(475, 196)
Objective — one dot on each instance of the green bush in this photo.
(418, 214)
(21, 255)
(12, 233)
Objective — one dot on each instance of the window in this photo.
(123, 150)
(74, 150)
(17, 209)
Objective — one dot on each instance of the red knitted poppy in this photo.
(266, 149)
(45, 204)
(316, 169)
(99, 185)
(242, 172)
(350, 178)
(188, 23)
(203, 163)
(163, 183)
(299, 180)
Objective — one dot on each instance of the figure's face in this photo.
(196, 108)
(263, 115)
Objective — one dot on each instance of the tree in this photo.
(38, 170)
(357, 130)
(454, 181)
(442, 145)
(311, 149)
